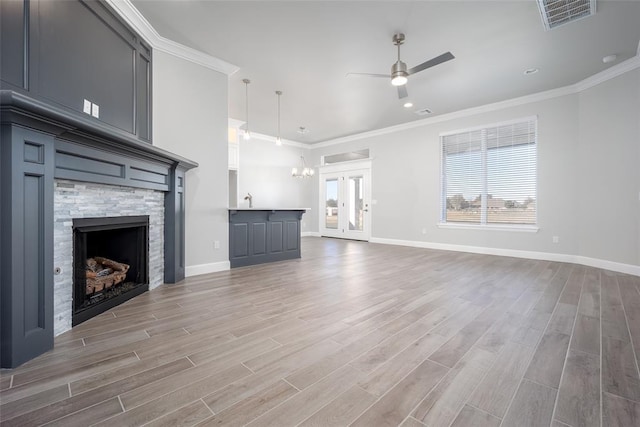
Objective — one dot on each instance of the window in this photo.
(489, 174)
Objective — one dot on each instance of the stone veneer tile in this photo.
(84, 200)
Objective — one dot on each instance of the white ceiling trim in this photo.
(272, 139)
(134, 18)
(589, 82)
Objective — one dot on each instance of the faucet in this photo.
(250, 199)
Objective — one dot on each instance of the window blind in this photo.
(489, 174)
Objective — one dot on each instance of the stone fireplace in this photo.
(57, 168)
(110, 263)
(81, 207)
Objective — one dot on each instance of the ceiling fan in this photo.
(399, 72)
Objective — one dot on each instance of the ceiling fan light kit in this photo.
(400, 73)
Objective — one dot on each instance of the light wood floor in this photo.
(352, 334)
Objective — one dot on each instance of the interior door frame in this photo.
(344, 169)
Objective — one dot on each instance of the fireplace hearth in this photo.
(110, 263)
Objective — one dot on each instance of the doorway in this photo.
(345, 200)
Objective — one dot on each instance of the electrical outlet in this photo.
(87, 107)
(216, 244)
(556, 239)
(424, 231)
(95, 110)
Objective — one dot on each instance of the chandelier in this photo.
(303, 172)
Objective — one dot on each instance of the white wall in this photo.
(190, 119)
(588, 179)
(265, 172)
(609, 194)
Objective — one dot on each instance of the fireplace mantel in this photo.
(40, 143)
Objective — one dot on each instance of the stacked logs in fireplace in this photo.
(103, 273)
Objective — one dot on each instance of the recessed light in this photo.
(408, 104)
(530, 71)
(609, 58)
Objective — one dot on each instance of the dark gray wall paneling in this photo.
(81, 163)
(12, 42)
(259, 236)
(82, 55)
(64, 52)
(174, 210)
(27, 243)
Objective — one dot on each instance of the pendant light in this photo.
(278, 140)
(247, 134)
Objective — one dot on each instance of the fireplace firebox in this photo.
(110, 263)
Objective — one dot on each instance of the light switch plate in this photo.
(87, 106)
(95, 110)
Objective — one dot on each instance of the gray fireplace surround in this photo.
(41, 147)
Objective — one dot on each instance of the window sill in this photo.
(492, 227)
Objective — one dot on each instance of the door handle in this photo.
(366, 210)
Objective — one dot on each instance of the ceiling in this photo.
(306, 48)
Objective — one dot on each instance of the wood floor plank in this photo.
(372, 359)
(590, 297)
(304, 377)
(619, 412)
(497, 389)
(172, 400)
(345, 335)
(343, 410)
(579, 394)
(619, 369)
(562, 318)
(398, 403)
(252, 407)
(614, 323)
(631, 303)
(5, 381)
(473, 417)
(453, 350)
(444, 402)
(84, 400)
(531, 407)
(87, 416)
(390, 373)
(411, 422)
(186, 416)
(586, 335)
(548, 361)
(28, 403)
(310, 400)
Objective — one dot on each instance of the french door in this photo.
(345, 200)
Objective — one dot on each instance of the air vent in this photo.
(559, 12)
(423, 112)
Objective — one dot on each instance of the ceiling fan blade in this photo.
(432, 62)
(386, 76)
(402, 92)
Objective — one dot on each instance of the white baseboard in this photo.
(546, 256)
(196, 270)
(309, 234)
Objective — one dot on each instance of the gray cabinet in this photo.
(66, 52)
(259, 236)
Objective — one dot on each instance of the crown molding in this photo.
(272, 139)
(235, 123)
(135, 19)
(608, 74)
(601, 77)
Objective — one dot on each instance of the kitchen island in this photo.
(259, 235)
